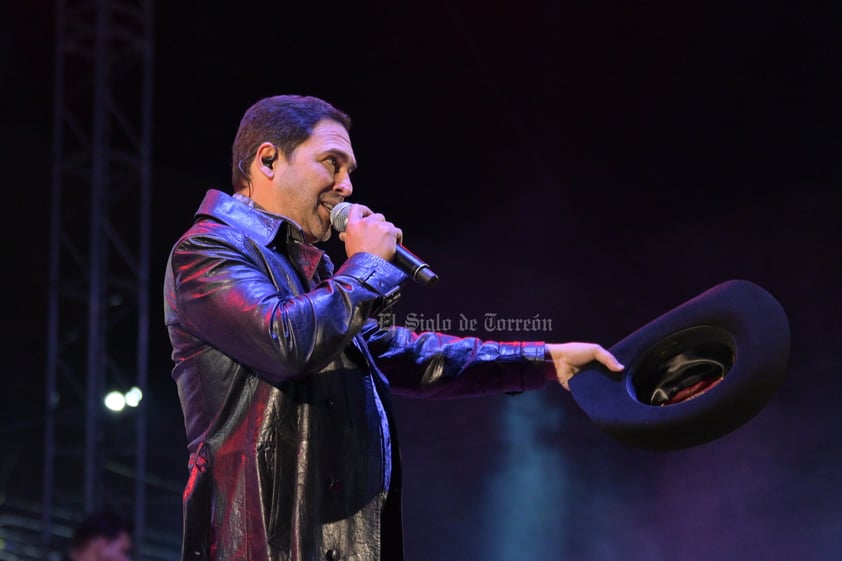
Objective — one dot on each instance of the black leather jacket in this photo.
(284, 381)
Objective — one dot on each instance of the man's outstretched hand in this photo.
(568, 358)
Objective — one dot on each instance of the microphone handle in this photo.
(414, 267)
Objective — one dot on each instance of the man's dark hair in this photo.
(284, 120)
(105, 524)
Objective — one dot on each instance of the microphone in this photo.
(404, 259)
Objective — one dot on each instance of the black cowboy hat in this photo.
(693, 374)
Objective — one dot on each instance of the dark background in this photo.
(592, 163)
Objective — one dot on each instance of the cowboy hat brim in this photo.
(693, 374)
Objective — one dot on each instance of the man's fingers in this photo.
(607, 359)
(358, 211)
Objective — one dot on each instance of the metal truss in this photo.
(98, 303)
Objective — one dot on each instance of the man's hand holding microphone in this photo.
(363, 230)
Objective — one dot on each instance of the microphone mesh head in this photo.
(339, 216)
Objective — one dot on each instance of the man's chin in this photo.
(319, 238)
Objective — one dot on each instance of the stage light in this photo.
(133, 396)
(115, 401)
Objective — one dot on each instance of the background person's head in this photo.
(102, 536)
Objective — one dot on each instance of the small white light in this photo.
(133, 396)
(115, 401)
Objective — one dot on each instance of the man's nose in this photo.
(344, 187)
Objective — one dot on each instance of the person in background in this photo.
(283, 372)
(101, 536)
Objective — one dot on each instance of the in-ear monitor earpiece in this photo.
(268, 162)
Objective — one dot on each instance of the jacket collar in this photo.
(267, 229)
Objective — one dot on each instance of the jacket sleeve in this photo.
(436, 365)
(228, 296)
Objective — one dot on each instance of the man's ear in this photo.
(266, 156)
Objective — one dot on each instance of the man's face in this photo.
(118, 549)
(315, 178)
